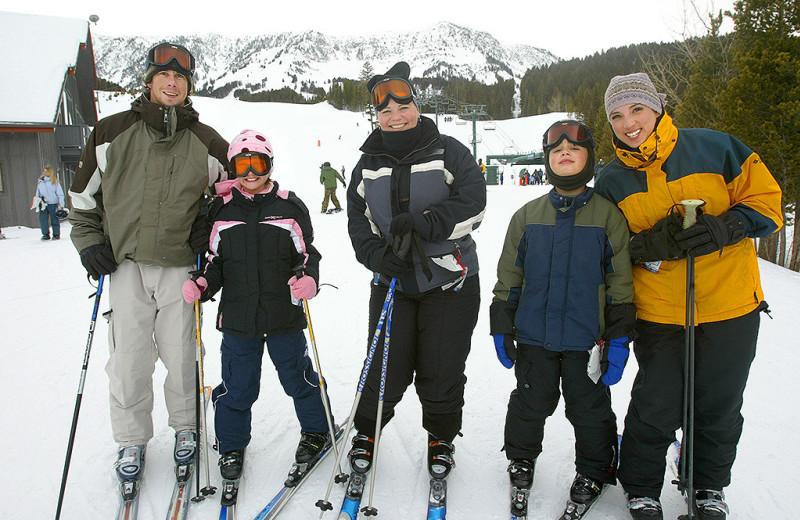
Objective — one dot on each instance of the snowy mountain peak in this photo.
(302, 61)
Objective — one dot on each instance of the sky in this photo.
(45, 316)
(573, 30)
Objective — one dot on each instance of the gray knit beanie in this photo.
(633, 88)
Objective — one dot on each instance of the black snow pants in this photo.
(429, 343)
(540, 373)
(724, 351)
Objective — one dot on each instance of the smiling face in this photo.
(633, 123)
(395, 117)
(253, 183)
(168, 88)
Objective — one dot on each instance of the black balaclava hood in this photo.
(570, 182)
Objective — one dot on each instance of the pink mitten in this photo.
(304, 288)
(193, 289)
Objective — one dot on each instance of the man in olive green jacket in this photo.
(137, 196)
(327, 177)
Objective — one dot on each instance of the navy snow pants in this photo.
(241, 381)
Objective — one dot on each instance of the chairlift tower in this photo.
(474, 111)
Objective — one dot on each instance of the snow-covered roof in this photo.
(35, 53)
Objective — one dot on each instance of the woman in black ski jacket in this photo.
(416, 186)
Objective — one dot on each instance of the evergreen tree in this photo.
(761, 103)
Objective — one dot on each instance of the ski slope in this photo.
(45, 316)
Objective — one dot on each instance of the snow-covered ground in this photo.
(45, 321)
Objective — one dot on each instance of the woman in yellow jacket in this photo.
(655, 168)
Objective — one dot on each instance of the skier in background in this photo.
(327, 177)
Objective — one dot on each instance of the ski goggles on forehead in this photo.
(398, 89)
(574, 132)
(162, 54)
(258, 163)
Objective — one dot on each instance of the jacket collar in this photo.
(654, 150)
(567, 203)
(167, 120)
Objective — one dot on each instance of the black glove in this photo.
(98, 260)
(402, 224)
(711, 234)
(658, 243)
(199, 235)
(395, 262)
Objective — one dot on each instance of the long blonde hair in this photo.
(48, 170)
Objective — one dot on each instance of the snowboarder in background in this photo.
(343, 176)
(657, 165)
(260, 305)
(148, 247)
(327, 177)
(426, 188)
(548, 321)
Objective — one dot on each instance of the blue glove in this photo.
(506, 350)
(615, 355)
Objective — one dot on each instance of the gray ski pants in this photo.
(149, 320)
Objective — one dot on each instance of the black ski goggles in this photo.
(398, 89)
(573, 131)
(244, 163)
(165, 53)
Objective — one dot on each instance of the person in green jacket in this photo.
(327, 177)
(136, 219)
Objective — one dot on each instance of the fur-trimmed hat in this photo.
(633, 88)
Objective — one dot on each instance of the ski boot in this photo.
(520, 473)
(440, 458)
(230, 467)
(130, 468)
(184, 453)
(711, 504)
(307, 455)
(361, 453)
(583, 493)
(645, 508)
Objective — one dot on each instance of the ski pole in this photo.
(370, 510)
(323, 387)
(79, 397)
(324, 504)
(200, 411)
(686, 479)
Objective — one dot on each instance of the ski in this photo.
(181, 492)
(179, 503)
(437, 499)
(230, 495)
(297, 475)
(352, 497)
(575, 510)
(519, 503)
(129, 500)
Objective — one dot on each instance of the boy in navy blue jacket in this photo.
(564, 284)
